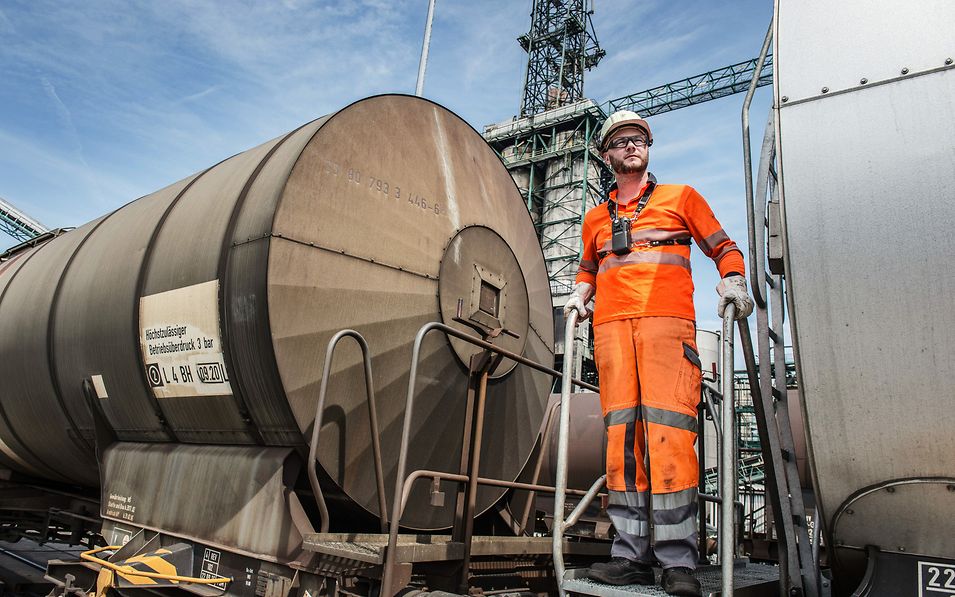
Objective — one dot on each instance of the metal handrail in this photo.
(756, 273)
(708, 394)
(563, 430)
(400, 479)
(727, 547)
(372, 418)
(844, 507)
(427, 474)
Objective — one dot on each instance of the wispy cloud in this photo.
(30, 164)
(6, 27)
(199, 95)
(65, 118)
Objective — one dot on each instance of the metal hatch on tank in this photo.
(379, 218)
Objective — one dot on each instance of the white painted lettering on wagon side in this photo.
(936, 579)
(181, 344)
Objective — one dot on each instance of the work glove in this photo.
(732, 289)
(579, 298)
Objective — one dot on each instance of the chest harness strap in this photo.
(612, 209)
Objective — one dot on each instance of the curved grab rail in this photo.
(388, 573)
(372, 418)
(844, 506)
(756, 273)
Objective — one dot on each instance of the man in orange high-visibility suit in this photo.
(636, 263)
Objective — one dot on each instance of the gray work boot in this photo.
(680, 581)
(621, 571)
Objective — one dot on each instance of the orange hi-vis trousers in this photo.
(649, 392)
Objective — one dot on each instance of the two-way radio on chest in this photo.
(621, 240)
(612, 205)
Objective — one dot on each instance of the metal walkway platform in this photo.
(371, 548)
(749, 580)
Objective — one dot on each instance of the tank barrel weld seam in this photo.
(315, 245)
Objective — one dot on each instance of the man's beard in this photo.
(620, 166)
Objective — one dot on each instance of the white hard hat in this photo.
(622, 118)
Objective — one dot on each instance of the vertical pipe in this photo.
(475, 465)
(563, 430)
(423, 63)
(388, 572)
(728, 458)
(584, 188)
(375, 435)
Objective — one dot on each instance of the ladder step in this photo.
(759, 579)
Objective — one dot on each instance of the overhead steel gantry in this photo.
(18, 224)
(693, 90)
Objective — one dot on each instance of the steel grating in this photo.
(760, 579)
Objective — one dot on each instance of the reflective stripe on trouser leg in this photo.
(628, 510)
(670, 393)
(675, 529)
(615, 355)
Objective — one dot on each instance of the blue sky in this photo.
(104, 101)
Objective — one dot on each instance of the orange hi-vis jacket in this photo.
(652, 280)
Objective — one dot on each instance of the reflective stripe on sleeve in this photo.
(726, 250)
(670, 418)
(588, 266)
(712, 241)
